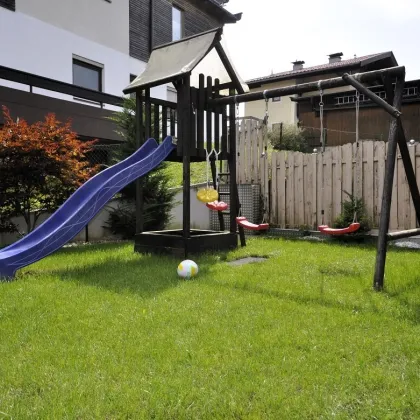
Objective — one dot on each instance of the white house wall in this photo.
(32, 45)
(282, 111)
(100, 21)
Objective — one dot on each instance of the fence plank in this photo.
(248, 150)
(328, 186)
(281, 188)
(347, 180)
(393, 221)
(290, 190)
(380, 175)
(358, 174)
(337, 181)
(299, 190)
(274, 191)
(313, 188)
(367, 175)
(242, 157)
(254, 157)
(412, 224)
(319, 188)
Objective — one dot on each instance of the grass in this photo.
(101, 332)
(198, 173)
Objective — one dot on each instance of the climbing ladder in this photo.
(222, 194)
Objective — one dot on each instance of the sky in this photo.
(273, 33)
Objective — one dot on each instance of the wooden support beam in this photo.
(209, 90)
(200, 111)
(185, 136)
(371, 95)
(156, 116)
(308, 87)
(409, 170)
(403, 234)
(378, 280)
(216, 119)
(139, 183)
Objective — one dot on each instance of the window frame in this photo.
(182, 12)
(92, 65)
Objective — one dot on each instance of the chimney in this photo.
(298, 65)
(335, 58)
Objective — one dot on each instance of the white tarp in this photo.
(194, 55)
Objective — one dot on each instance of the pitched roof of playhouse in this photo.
(203, 53)
(339, 65)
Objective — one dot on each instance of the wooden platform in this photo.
(172, 242)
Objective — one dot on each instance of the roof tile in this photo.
(320, 67)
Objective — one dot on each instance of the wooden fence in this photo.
(299, 186)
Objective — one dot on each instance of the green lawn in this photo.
(198, 173)
(101, 332)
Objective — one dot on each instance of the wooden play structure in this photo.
(209, 91)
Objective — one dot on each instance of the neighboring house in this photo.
(285, 110)
(100, 45)
(340, 116)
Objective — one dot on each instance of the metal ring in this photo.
(321, 104)
(264, 94)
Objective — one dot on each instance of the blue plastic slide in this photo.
(81, 207)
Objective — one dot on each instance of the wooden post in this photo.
(139, 141)
(156, 116)
(216, 118)
(164, 122)
(185, 137)
(378, 281)
(200, 113)
(209, 130)
(234, 205)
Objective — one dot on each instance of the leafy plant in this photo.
(41, 165)
(351, 207)
(288, 137)
(157, 195)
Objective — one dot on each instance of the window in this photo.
(177, 24)
(87, 75)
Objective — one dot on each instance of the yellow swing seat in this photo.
(207, 195)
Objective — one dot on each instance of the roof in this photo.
(229, 17)
(203, 53)
(323, 68)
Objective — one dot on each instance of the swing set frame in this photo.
(205, 112)
(392, 106)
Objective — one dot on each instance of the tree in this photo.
(353, 207)
(41, 165)
(157, 195)
(288, 137)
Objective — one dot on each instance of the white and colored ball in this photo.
(187, 269)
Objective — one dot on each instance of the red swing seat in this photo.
(242, 221)
(353, 227)
(217, 205)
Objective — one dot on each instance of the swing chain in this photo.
(237, 107)
(266, 107)
(321, 115)
(357, 117)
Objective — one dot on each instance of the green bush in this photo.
(157, 195)
(290, 137)
(352, 205)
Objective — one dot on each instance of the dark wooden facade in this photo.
(151, 22)
(8, 4)
(340, 116)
